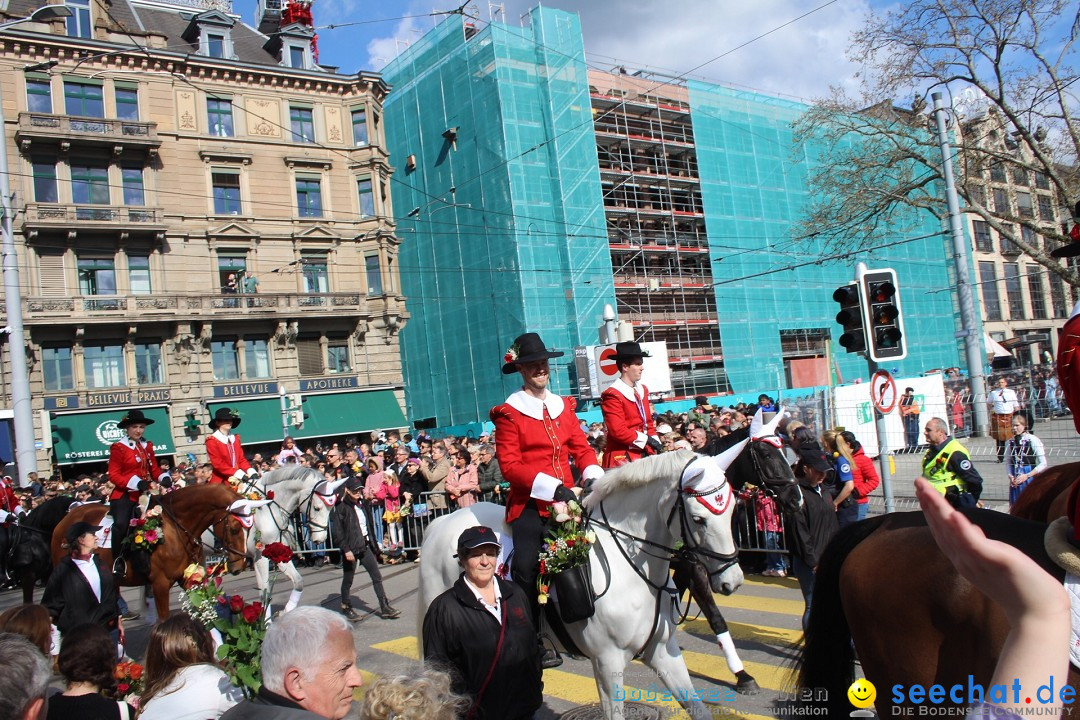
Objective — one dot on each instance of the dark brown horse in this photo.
(186, 514)
(884, 583)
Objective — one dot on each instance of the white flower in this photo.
(590, 537)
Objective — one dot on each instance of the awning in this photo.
(994, 348)
(87, 437)
(260, 420)
(350, 412)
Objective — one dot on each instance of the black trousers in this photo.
(528, 531)
(367, 559)
(121, 511)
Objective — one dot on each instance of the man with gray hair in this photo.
(947, 465)
(492, 483)
(308, 669)
(26, 672)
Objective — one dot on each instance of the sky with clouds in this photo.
(802, 53)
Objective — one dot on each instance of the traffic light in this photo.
(884, 320)
(851, 317)
(296, 409)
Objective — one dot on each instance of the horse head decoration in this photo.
(233, 528)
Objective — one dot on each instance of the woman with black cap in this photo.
(538, 434)
(132, 467)
(224, 450)
(81, 589)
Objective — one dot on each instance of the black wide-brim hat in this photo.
(628, 351)
(526, 348)
(224, 415)
(134, 417)
(77, 530)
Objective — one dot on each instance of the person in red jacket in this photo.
(865, 475)
(537, 434)
(224, 450)
(631, 431)
(132, 466)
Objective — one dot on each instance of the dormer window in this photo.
(215, 45)
(292, 45)
(210, 33)
(298, 56)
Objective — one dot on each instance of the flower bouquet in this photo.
(146, 532)
(202, 588)
(129, 683)
(564, 563)
(277, 553)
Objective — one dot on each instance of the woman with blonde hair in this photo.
(426, 696)
(844, 468)
(183, 681)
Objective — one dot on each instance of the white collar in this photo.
(222, 437)
(131, 443)
(633, 394)
(476, 590)
(534, 407)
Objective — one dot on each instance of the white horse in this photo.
(292, 487)
(639, 511)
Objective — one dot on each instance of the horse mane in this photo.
(48, 514)
(201, 494)
(731, 439)
(286, 473)
(636, 474)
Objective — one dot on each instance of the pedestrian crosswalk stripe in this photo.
(747, 632)
(581, 690)
(768, 676)
(760, 603)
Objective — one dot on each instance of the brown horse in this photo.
(885, 584)
(187, 513)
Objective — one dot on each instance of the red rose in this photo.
(222, 600)
(570, 543)
(543, 567)
(252, 612)
(122, 687)
(277, 553)
(269, 494)
(236, 603)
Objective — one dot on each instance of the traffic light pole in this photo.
(284, 413)
(883, 447)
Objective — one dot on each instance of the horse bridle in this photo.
(302, 507)
(197, 541)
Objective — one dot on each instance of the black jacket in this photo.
(71, 602)
(489, 475)
(347, 532)
(461, 633)
(811, 529)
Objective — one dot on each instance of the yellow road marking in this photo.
(748, 632)
(760, 603)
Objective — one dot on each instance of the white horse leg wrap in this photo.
(294, 599)
(730, 654)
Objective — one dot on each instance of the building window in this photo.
(1008, 247)
(302, 121)
(1028, 235)
(1046, 208)
(1057, 296)
(78, 23)
(977, 195)
(1001, 202)
(1019, 176)
(139, 274)
(219, 115)
(104, 366)
(231, 267)
(1038, 297)
(226, 184)
(297, 57)
(983, 243)
(367, 197)
(127, 103)
(38, 95)
(256, 359)
(44, 170)
(309, 356)
(1023, 205)
(337, 356)
(90, 184)
(97, 276)
(56, 366)
(133, 185)
(84, 100)
(148, 367)
(309, 197)
(988, 283)
(1042, 180)
(997, 172)
(316, 279)
(374, 275)
(215, 45)
(223, 353)
(359, 127)
(1014, 292)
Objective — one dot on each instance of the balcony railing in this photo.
(132, 218)
(67, 129)
(206, 305)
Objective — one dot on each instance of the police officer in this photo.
(132, 466)
(631, 431)
(947, 465)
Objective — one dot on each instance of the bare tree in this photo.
(1008, 66)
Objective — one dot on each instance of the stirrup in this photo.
(549, 656)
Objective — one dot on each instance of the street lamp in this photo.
(23, 414)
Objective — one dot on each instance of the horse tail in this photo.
(827, 658)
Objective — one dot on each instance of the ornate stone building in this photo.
(202, 218)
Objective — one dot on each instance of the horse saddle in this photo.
(104, 533)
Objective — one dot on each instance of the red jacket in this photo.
(865, 476)
(129, 465)
(9, 501)
(227, 458)
(629, 424)
(534, 442)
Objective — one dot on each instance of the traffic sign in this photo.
(606, 362)
(883, 391)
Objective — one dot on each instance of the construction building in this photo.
(202, 219)
(536, 190)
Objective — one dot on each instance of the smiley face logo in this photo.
(862, 693)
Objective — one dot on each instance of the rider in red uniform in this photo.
(9, 501)
(132, 466)
(631, 431)
(224, 450)
(536, 435)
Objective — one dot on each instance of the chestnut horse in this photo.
(884, 583)
(186, 513)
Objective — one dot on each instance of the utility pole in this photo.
(969, 324)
